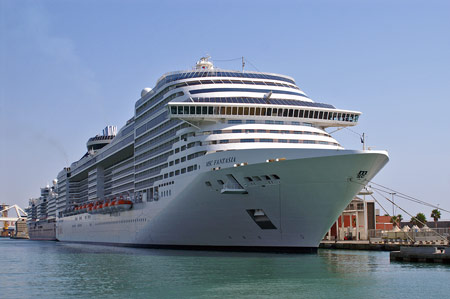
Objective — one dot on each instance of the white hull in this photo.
(313, 188)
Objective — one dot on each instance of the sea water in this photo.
(43, 269)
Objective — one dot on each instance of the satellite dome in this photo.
(145, 91)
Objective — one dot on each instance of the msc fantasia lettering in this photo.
(221, 161)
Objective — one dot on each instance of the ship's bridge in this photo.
(322, 115)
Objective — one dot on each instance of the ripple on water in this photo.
(53, 269)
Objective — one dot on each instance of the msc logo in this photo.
(361, 174)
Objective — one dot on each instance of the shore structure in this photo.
(422, 255)
(215, 159)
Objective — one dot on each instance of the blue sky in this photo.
(69, 68)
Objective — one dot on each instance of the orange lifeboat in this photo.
(112, 205)
(84, 208)
(89, 208)
(105, 208)
(123, 204)
(95, 209)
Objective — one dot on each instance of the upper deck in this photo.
(206, 93)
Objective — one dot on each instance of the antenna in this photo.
(363, 141)
(243, 63)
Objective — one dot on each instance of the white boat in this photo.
(217, 159)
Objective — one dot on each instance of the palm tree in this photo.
(399, 219)
(419, 219)
(394, 220)
(436, 215)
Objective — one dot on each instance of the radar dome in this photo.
(55, 181)
(145, 91)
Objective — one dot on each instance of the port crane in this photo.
(4, 214)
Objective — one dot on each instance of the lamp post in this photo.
(393, 205)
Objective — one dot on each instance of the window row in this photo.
(155, 140)
(253, 100)
(257, 111)
(269, 140)
(150, 171)
(153, 161)
(214, 73)
(158, 106)
(157, 130)
(187, 158)
(153, 99)
(156, 150)
(239, 89)
(122, 221)
(181, 171)
(226, 81)
(262, 131)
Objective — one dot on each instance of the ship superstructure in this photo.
(41, 214)
(217, 159)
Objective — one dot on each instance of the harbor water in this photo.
(39, 269)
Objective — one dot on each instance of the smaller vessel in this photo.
(41, 214)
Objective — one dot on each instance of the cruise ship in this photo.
(41, 215)
(215, 159)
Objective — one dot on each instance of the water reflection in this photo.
(40, 269)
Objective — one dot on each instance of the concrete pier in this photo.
(359, 245)
(422, 255)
